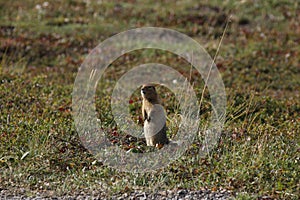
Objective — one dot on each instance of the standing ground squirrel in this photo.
(154, 117)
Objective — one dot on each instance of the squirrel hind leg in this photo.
(149, 142)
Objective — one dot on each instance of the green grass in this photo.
(259, 150)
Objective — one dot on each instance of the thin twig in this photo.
(215, 57)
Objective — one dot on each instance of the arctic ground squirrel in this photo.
(154, 117)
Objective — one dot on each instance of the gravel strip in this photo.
(162, 195)
(178, 195)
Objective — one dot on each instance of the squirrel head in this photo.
(149, 93)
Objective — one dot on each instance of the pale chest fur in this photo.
(156, 122)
